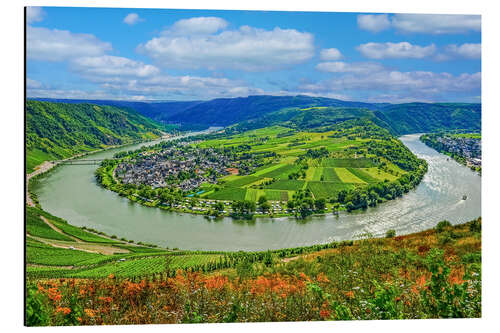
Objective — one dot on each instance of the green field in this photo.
(146, 266)
(229, 193)
(35, 226)
(241, 181)
(282, 172)
(286, 184)
(366, 177)
(327, 189)
(276, 195)
(347, 163)
(329, 175)
(347, 177)
(338, 168)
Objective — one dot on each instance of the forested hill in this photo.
(264, 110)
(228, 111)
(261, 111)
(61, 130)
(425, 117)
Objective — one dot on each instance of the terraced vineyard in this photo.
(63, 250)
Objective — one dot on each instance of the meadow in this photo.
(431, 274)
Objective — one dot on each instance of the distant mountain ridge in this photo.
(264, 109)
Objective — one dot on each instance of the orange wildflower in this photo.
(54, 294)
(215, 282)
(111, 276)
(421, 281)
(105, 299)
(63, 310)
(324, 314)
(322, 278)
(456, 276)
(89, 312)
(350, 294)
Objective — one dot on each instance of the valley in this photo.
(273, 171)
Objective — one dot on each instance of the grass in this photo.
(266, 169)
(36, 157)
(327, 189)
(281, 172)
(347, 163)
(286, 184)
(228, 193)
(47, 255)
(35, 226)
(379, 174)
(363, 175)
(241, 181)
(146, 266)
(347, 177)
(276, 195)
(79, 233)
(254, 194)
(329, 175)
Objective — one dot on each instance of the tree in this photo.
(265, 206)
(262, 199)
(320, 204)
(219, 206)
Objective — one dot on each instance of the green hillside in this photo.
(60, 130)
(424, 117)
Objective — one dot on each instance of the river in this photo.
(71, 192)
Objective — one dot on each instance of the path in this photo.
(59, 230)
(86, 247)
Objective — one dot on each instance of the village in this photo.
(183, 167)
(468, 148)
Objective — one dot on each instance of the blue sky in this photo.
(159, 54)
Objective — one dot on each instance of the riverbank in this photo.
(48, 165)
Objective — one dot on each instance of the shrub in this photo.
(36, 308)
(390, 233)
(442, 225)
(475, 226)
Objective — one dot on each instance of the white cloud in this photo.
(343, 67)
(374, 23)
(373, 81)
(395, 50)
(112, 66)
(132, 19)
(436, 23)
(34, 14)
(32, 84)
(247, 48)
(330, 54)
(59, 45)
(467, 50)
(198, 25)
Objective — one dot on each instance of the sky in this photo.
(162, 54)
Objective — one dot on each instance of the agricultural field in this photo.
(69, 251)
(344, 164)
(309, 171)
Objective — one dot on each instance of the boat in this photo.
(464, 197)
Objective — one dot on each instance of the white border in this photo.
(12, 173)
